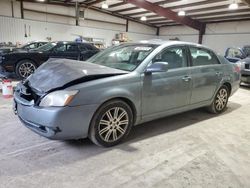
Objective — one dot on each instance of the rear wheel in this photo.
(25, 68)
(111, 123)
(220, 101)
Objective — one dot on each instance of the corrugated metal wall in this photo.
(44, 25)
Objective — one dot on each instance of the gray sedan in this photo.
(123, 86)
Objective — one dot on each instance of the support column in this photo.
(21, 6)
(127, 25)
(77, 13)
(202, 31)
(158, 31)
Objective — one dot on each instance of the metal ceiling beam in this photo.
(214, 20)
(117, 4)
(169, 14)
(94, 3)
(246, 10)
(247, 2)
(216, 9)
(173, 6)
(92, 8)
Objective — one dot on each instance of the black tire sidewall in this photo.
(93, 131)
(19, 64)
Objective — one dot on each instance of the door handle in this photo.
(218, 73)
(186, 78)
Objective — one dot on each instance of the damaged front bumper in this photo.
(62, 123)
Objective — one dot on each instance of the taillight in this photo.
(237, 68)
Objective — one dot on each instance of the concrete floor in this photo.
(193, 149)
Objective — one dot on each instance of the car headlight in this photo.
(58, 98)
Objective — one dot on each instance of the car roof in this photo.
(71, 42)
(167, 42)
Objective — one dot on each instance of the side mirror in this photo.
(157, 67)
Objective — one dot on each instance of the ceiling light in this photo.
(233, 6)
(40, 0)
(105, 5)
(181, 13)
(143, 18)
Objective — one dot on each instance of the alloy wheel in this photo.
(26, 69)
(221, 99)
(113, 124)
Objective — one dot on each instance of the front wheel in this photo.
(111, 123)
(25, 68)
(220, 101)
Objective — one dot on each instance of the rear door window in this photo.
(201, 57)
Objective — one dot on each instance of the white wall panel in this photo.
(58, 27)
(101, 16)
(177, 30)
(140, 28)
(14, 31)
(17, 9)
(219, 36)
(5, 8)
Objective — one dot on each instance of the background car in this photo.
(24, 63)
(28, 46)
(242, 56)
(123, 86)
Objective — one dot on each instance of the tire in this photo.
(220, 101)
(106, 129)
(24, 68)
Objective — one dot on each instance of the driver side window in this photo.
(176, 57)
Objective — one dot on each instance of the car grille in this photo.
(247, 66)
(27, 93)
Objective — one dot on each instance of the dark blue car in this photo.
(24, 63)
(241, 55)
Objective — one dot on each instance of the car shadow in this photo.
(61, 153)
(245, 86)
(161, 126)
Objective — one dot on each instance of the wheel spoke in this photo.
(109, 115)
(123, 122)
(104, 122)
(121, 115)
(107, 136)
(104, 130)
(121, 130)
(116, 113)
(114, 135)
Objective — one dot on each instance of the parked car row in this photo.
(242, 56)
(25, 62)
(26, 47)
(103, 97)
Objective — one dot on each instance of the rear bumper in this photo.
(8, 68)
(59, 123)
(245, 75)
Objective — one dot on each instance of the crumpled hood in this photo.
(59, 73)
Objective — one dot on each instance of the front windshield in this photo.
(124, 57)
(247, 50)
(24, 45)
(46, 47)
